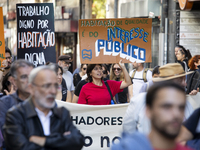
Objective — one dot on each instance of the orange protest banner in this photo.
(109, 40)
(2, 42)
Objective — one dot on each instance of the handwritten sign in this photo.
(109, 40)
(35, 33)
(2, 42)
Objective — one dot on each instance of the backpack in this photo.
(144, 74)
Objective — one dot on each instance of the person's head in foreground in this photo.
(37, 123)
(43, 87)
(165, 105)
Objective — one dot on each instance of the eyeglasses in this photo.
(84, 68)
(118, 69)
(48, 86)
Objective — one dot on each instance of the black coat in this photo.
(22, 122)
(193, 81)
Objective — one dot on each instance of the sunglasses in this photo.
(104, 72)
(118, 69)
(84, 68)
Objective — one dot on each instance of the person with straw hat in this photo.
(135, 118)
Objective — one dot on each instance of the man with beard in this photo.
(65, 62)
(8, 60)
(139, 76)
(6, 63)
(135, 118)
(165, 104)
(38, 123)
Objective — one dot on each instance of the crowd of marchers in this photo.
(160, 113)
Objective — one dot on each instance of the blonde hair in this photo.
(113, 76)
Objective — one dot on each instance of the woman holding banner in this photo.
(117, 75)
(96, 92)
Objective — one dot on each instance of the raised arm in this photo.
(127, 79)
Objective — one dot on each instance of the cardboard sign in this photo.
(110, 40)
(101, 125)
(2, 42)
(35, 33)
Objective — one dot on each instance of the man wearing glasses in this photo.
(20, 71)
(37, 123)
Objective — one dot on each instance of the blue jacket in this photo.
(136, 141)
(6, 102)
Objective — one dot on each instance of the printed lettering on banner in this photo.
(109, 40)
(101, 125)
(35, 33)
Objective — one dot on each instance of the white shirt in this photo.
(84, 77)
(135, 118)
(45, 121)
(69, 80)
(137, 84)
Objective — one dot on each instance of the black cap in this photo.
(65, 58)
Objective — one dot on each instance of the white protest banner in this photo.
(101, 125)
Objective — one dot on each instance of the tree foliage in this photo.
(99, 8)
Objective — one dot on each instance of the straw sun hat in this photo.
(170, 71)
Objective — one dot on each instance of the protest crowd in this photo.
(159, 115)
(112, 100)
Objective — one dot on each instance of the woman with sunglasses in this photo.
(78, 76)
(95, 92)
(117, 75)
